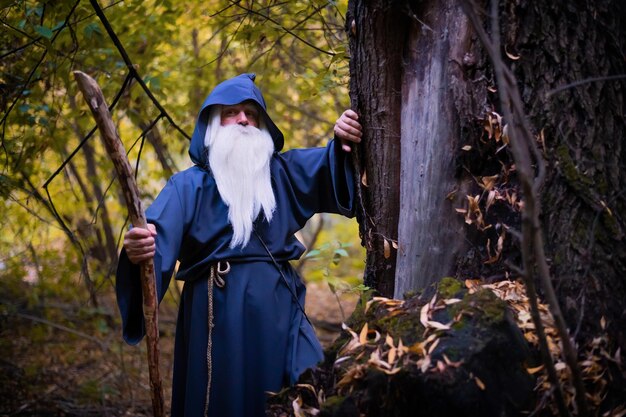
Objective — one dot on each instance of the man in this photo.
(230, 222)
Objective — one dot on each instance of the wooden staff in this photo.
(100, 110)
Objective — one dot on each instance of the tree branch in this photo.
(131, 67)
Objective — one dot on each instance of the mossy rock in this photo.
(461, 354)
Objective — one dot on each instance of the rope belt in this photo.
(218, 272)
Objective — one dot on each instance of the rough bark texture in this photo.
(375, 92)
(425, 52)
(583, 129)
(431, 233)
(569, 61)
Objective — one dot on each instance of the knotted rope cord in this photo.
(216, 276)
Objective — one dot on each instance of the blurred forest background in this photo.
(62, 219)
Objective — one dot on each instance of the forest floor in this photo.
(68, 359)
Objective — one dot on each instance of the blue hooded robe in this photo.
(260, 339)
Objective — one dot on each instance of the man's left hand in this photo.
(348, 129)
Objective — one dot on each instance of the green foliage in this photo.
(54, 221)
(337, 258)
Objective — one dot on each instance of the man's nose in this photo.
(242, 119)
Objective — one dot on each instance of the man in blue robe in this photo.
(230, 221)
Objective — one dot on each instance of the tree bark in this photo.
(434, 98)
(583, 129)
(375, 93)
(569, 62)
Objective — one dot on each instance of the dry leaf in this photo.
(363, 334)
(387, 249)
(480, 383)
(297, 407)
(491, 198)
(450, 196)
(433, 346)
(510, 55)
(488, 182)
(389, 340)
(364, 179)
(391, 356)
(424, 364)
(533, 371)
(438, 326)
(467, 148)
(424, 315)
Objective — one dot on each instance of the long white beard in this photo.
(239, 157)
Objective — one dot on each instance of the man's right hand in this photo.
(139, 243)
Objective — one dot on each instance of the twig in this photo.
(91, 132)
(131, 67)
(97, 341)
(582, 82)
(284, 28)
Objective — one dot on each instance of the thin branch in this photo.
(287, 31)
(532, 244)
(98, 342)
(131, 66)
(32, 72)
(223, 51)
(583, 82)
(91, 132)
(284, 28)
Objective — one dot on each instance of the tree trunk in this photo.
(434, 99)
(375, 91)
(569, 62)
(583, 130)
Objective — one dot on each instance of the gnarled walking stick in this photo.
(100, 110)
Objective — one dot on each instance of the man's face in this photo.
(244, 114)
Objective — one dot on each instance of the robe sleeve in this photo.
(168, 215)
(322, 180)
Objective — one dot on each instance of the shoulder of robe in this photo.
(193, 178)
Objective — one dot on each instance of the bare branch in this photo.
(289, 31)
(583, 82)
(131, 67)
(522, 145)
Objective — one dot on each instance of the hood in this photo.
(229, 92)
